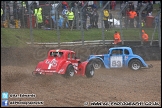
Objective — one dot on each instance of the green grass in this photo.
(19, 37)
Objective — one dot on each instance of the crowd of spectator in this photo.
(68, 14)
(132, 14)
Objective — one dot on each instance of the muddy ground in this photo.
(108, 85)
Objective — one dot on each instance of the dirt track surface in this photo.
(107, 85)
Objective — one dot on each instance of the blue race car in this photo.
(118, 57)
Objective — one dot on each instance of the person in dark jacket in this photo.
(16, 13)
(34, 6)
(23, 17)
(85, 15)
(91, 18)
(95, 18)
(149, 8)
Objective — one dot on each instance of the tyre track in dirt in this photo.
(106, 85)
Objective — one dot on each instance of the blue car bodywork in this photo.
(118, 57)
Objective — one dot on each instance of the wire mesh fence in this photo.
(88, 23)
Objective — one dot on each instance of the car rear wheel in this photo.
(69, 71)
(89, 70)
(135, 65)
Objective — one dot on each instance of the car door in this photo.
(116, 58)
(125, 56)
(73, 61)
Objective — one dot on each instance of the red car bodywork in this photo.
(57, 61)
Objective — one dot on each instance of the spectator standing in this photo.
(117, 38)
(70, 17)
(113, 4)
(149, 8)
(143, 23)
(14, 5)
(90, 3)
(139, 5)
(64, 4)
(47, 22)
(7, 15)
(64, 14)
(8, 12)
(27, 5)
(95, 18)
(72, 5)
(84, 18)
(91, 12)
(105, 18)
(132, 16)
(17, 14)
(39, 17)
(131, 5)
(23, 15)
(34, 6)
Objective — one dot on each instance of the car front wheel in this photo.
(97, 64)
(135, 65)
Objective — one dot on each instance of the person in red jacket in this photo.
(132, 15)
(117, 38)
(64, 4)
(113, 4)
(145, 36)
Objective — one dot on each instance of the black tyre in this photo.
(89, 70)
(97, 64)
(135, 65)
(69, 71)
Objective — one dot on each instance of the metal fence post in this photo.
(50, 19)
(30, 19)
(23, 16)
(54, 14)
(81, 16)
(76, 17)
(156, 26)
(57, 24)
(140, 27)
(159, 29)
(103, 32)
(5, 13)
(120, 17)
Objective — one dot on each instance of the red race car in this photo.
(64, 62)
